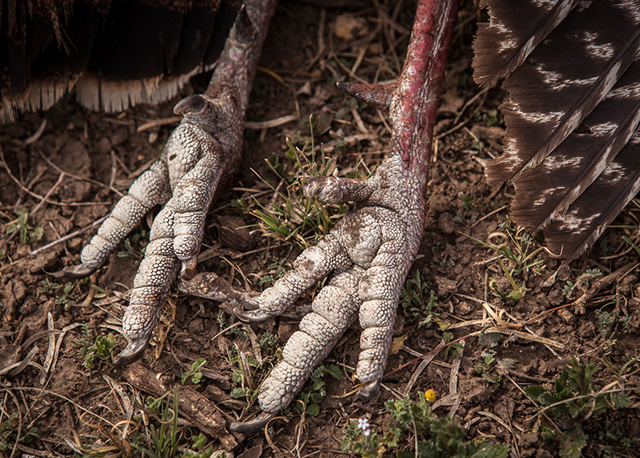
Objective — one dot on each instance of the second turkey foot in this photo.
(368, 253)
(366, 257)
(201, 153)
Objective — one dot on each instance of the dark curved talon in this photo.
(369, 391)
(79, 272)
(253, 426)
(252, 316)
(189, 269)
(133, 351)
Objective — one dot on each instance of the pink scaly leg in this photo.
(378, 241)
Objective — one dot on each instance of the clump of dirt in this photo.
(60, 394)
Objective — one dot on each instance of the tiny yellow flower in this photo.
(430, 395)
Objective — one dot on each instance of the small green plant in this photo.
(436, 437)
(489, 358)
(629, 241)
(612, 438)
(21, 226)
(162, 437)
(494, 118)
(194, 372)
(198, 449)
(290, 216)
(244, 370)
(315, 392)
(606, 321)
(515, 255)
(418, 300)
(467, 201)
(451, 350)
(11, 434)
(101, 349)
(63, 293)
(276, 272)
(582, 282)
(227, 320)
(162, 442)
(267, 341)
(128, 247)
(573, 398)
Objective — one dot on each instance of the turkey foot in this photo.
(369, 252)
(201, 153)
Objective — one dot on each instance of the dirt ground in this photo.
(56, 403)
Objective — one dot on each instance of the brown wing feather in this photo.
(516, 28)
(567, 125)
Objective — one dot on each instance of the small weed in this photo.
(515, 255)
(451, 350)
(314, 127)
(291, 217)
(494, 118)
(630, 242)
(99, 292)
(626, 369)
(468, 202)
(244, 370)
(606, 321)
(64, 298)
(418, 300)
(198, 449)
(489, 358)
(488, 339)
(582, 282)
(226, 320)
(130, 246)
(314, 392)
(162, 442)
(194, 372)
(61, 292)
(11, 433)
(568, 289)
(611, 434)
(573, 399)
(20, 225)
(101, 349)
(626, 324)
(267, 341)
(49, 288)
(276, 272)
(436, 437)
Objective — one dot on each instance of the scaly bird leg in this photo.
(200, 153)
(369, 252)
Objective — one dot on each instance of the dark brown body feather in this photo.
(117, 52)
(573, 109)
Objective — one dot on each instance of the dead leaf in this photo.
(348, 27)
(398, 343)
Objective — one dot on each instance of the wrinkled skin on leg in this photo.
(369, 252)
(366, 255)
(203, 151)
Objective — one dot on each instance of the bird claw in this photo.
(252, 426)
(370, 250)
(369, 391)
(133, 351)
(201, 151)
(252, 316)
(80, 271)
